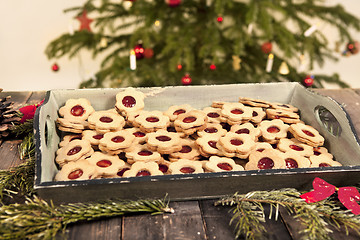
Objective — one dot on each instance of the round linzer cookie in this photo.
(74, 151)
(235, 113)
(236, 145)
(189, 150)
(185, 166)
(71, 125)
(151, 121)
(323, 161)
(76, 109)
(68, 138)
(105, 164)
(293, 145)
(93, 136)
(246, 128)
(141, 153)
(258, 114)
(116, 142)
(175, 111)
(191, 122)
(79, 170)
(106, 121)
(306, 134)
(208, 145)
(267, 159)
(254, 102)
(163, 142)
(140, 169)
(213, 114)
(221, 164)
(129, 100)
(273, 130)
(284, 106)
(294, 160)
(212, 129)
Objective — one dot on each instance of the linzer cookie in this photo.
(246, 128)
(273, 130)
(213, 114)
(236, 145)
(140, 136)
(93, 136)
(163, 142)
(190, 122)
(68, 138)
(285, 116)
(141, 153)
(235, 113)
(121, 171)
(105, 164)
(306, 134)
(294, 160)
(323, 161)
(79, 170)
(261, 146)
(151, 121)
(174, 111)
(189, 150)
(71, 125)
(322, 151)
(208, 145)
(140, 169)
(106, 121)
(293, 145)
(212, 128)
(221, 164)
(129, 100)
(116, 142)
(74, 151)
(76, 109)
(284, 106)
(267, 159)
(254, 102)
(258, 114)
(185, 166)
(164, 166)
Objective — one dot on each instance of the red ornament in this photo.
(84, 21)
(179, 67)
(266, 47)
(212, 67)
(308, 81)
(220, 19)
(186, 80)
(173, 3)
(139, 51)
(55, 67)
(29, 111)
(353, 47)
(148, 53)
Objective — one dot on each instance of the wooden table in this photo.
(192, 219)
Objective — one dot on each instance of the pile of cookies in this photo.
(128, 141)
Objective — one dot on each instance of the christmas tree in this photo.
(174, 42)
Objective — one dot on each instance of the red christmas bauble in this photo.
(139, 51)
(173, 3)
(55, 67)
(212, 67)
(308, 81)
(148, 53)
(186, 80)
(266, 47)
(179, 67)
(353, 47)
(220, 19)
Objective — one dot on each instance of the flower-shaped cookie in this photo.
(293, 145)
(221, 164)
(93, 136)
(175, 111)
(246, 128)
(116, 142)
(105, 164)
(140, 169)
(273, 130)
(164, 166)
(306, 134)
(74, 151)
(185, 166)
(285, 116)
(106, 121)
(71, 125)
(236, 145)
(212, 129)
(267, 159)
(129, 100)
(235, 113)
(323, 161)
(258, 115)
(284, 106)
(163, 141)
(140, 136)
(213, 114)
(208, 145)
(190, 122)
(294, 160)
(68, 138)
(189, 150)
(254, 102)
(141, 153)
(79, 170)
(151, 121)
(261, 146)
(322, 151)
(76, 109)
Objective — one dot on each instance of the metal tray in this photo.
(323, 113)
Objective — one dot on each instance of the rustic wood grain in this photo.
(9, 154)
(19, 98)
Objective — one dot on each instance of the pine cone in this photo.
(8, 117)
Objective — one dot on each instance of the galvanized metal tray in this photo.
(323, 113)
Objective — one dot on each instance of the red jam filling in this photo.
(75, 174)
(265, 163)
(212, 144)
(163, 168)
(213, 115)
(74, 150)
(225, 166)
(144, 153)
(143, 173)
(77, 111)
(185, 149)
(310, 134)
(129, 101)
(121, 172)
(187, 170)
(254, 114)
(296, 147)
(210, 130)
(189, 119)
(139, 134)
(243, 131)
(237, 111)
(118, 139)
(236, 142)
(291, 163)
(273, 129)
(316, 153)
(152, 119)
(163, 138)
(104, 163)
(260, 149)
(98, 136)
(324, 165)
(179, 111)
(106, 119)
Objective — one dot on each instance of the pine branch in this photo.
(37, 219)
(315, 217)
